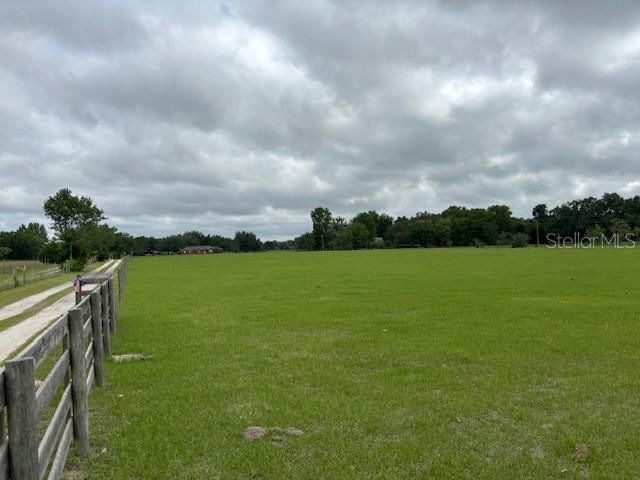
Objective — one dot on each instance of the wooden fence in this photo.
(37, 441)
(23, 275)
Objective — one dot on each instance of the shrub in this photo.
(378, 242)
(504, 239)
(53, 252)
(519, 240)
(77, 264)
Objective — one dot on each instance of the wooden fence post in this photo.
(120, 285)
(96, 325)
(112, 307)
(14, 277)
(77, 288)
(65, 347)
(21, 407)
(3, 432)
(104, 316)
(79, 384)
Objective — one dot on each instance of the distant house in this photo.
(200, 250)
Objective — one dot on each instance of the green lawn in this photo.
(453, 363)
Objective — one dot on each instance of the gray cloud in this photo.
(247, 115)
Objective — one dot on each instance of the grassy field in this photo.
(455, 363)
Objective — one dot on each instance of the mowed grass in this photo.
(452, 363)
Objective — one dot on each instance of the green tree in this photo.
(344, 239)
(97, 240)
(225, 243)
(322, 220)
(619, 227)
(247, 242)
(124, 244)
(28, 240)
(519, 240)
(369, 220)
(399, 234)
(539, 214)
(595, 233)
(504, 239)
(53, 252)
(70, 214)
(194, 238)
(502, 217)
(360, 236)
(306, 241)
(383, 224)
(172, 243)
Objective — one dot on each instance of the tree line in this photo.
(460, 226)
(242, 241)
(81, 232)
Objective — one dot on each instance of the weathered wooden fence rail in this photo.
(22, 276)
(36, 443)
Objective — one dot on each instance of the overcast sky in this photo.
(225, 116)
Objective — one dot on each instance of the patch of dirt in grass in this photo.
(537, 452)
(130, 357)
(581, 453)
(70, 474)
(294, 432)
(277, 435)
(251, 433)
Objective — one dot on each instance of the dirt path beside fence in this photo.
(23, 304)
(14, 337)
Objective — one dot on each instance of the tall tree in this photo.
(369, 220)
(382, 225)
(322, 220)
(28, 241)
(305, 241)
(70, 214)
(193, 238)
(539, 212)
(247, 242)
